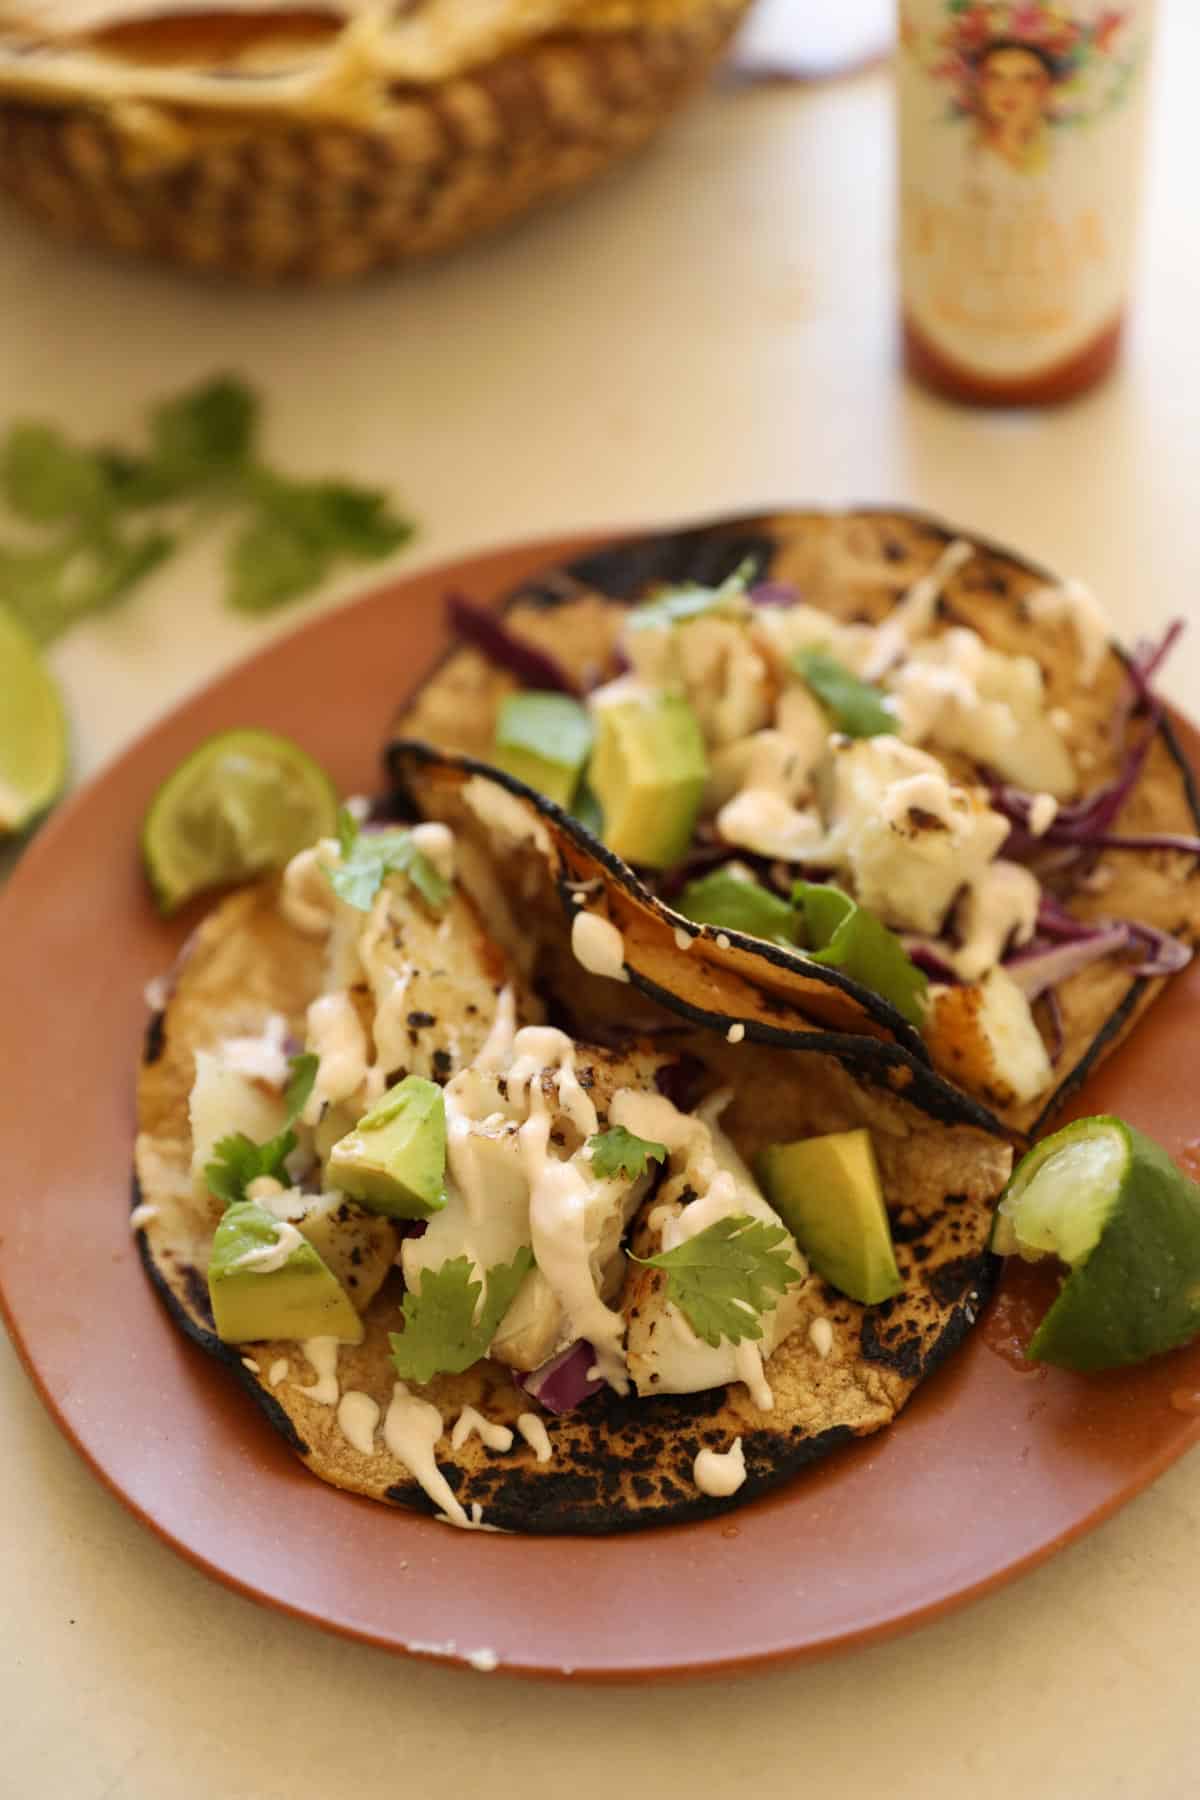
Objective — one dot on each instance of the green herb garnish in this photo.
(620, 1152)
(857, 708)
(726, 1276)
(738, 903)
(843, 935)
(368, 858)
(100, 512)
(442, 1335)
(238, 1160)
(675, 606)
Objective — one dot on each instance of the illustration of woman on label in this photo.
(1014, 84)
(1019, 72)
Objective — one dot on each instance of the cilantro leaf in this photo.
(675, 606)
(238, 1160)
(620, 1152)
(857, 708)
(726, 1276)
(269, 564)
(48, 590)
(441, 1333)
(844, 935)
(46, 479)
(368, 858)
(203, 434)
(302, 1073)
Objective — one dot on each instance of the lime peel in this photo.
(1113, 1206)
(244, 802)
(33, 730)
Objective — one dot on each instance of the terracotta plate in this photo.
(988, 1471)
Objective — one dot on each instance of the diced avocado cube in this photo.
(255, 1298)
(648, 770)
(544, 740)
(828, 1193)
(394, 1160)
(357, 1246)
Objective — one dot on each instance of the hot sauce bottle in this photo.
(1021, 135)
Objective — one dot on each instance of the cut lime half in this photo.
(243, 803)
(33, 730)
(1110, 1204)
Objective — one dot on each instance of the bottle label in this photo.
(1021, 132)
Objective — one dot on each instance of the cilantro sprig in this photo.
(442, 1335)
(621, 1152)
(675, 606)
(725, 1277)
(99, 519)
(238, 1160)
(368, 858)
(857, 708)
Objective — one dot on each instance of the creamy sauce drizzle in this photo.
(913, 616)
(306, 898)
(533, 1430)
(142, 1215)
(336, 1036)
(820, 1336)
(248, 1362)
(496, 1053)
(411, 1430)
(735, 1034)
(495, 1437)
(322, 1354)
(720, 1472)
(358, 1418)
(598, 946)
(1043, 811)
(683, 939)
(436, 842)
(278, 1371)
(747, 1357)
(264, 1259)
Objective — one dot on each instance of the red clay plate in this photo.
(988, 1471)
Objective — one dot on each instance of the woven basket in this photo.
(266, 199)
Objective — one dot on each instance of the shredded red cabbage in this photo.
(1064, 945)
(563, 1383)
(682, 1081)
(773, 593)
(1058, 1036)
(487, 631)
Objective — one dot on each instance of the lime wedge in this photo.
(33, 731)
(244, 802)
(1109, 1203)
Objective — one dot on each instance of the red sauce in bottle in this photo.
(1020, 154)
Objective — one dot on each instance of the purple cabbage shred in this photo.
(487, 632)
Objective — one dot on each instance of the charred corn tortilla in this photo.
(616, 1463)
(857, 566)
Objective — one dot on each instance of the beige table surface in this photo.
(713, 331)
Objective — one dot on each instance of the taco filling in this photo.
(898, 753)
(472, 1262)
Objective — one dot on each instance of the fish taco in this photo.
(480, 1253)
(858, 753)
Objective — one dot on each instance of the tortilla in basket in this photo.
(859, 566)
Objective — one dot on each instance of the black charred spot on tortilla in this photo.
(902, 1354)
(395, 1075)
(920, 1252)
(830, 1295)
(502, 1087)
(893, 551)
(418, 1021)
(356, 1256)
(443, 1065)
(956, 1199)
(642, 1486)
(558, 1137)
(471, 1009)
(706, 556)
(908, 1227)
(155, 1040)
(948, 1281)
(196, 1288)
